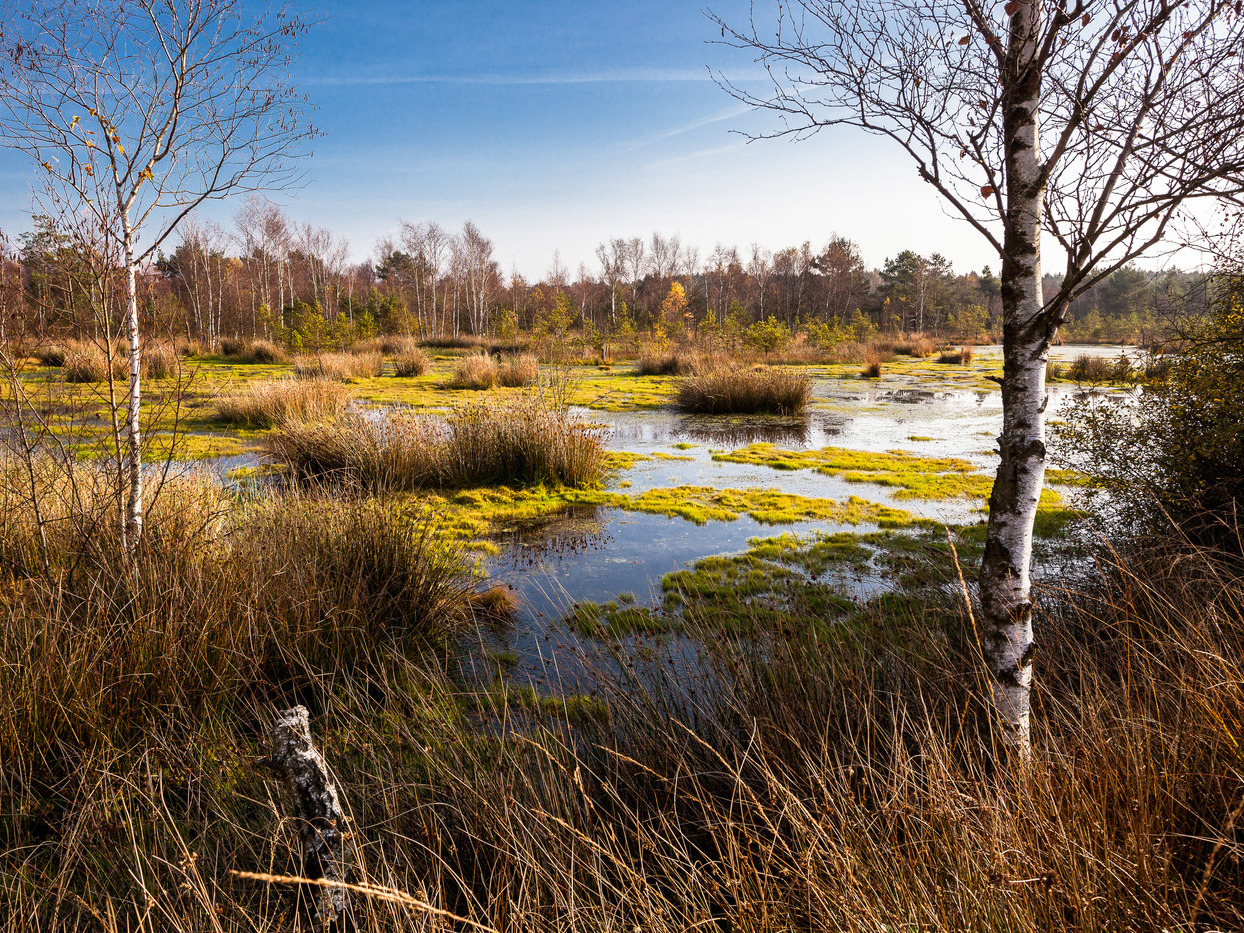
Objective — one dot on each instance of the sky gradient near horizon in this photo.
(557, 125)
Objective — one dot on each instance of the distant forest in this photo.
(276, 279)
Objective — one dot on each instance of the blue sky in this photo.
(556, 125)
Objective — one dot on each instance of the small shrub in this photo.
(275, 402)
(477, 371)
(749, 391)
(411, 362)
(518, 371)
(872, 365)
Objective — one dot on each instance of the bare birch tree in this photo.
(1092, 122)
(135, 112)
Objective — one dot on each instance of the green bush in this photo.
(1174, 453)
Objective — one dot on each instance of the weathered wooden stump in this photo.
(293, 758)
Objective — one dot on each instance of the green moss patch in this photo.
(910, 476)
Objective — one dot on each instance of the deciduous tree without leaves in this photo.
(1093, 123)
(135, 112)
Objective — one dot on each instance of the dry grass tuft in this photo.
(916, 346)
(519, 371)
(477, 371)
(88, 363)
(341, 366)
(962, 356)
(745, 391)
(872, 366)
(269, 403)
(523, 441)
(411, 362)
(244, 350)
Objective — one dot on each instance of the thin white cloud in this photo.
(690, 127)
(696, 156)
(653, 75)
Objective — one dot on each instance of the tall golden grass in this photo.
(828, 780)
(477, 371)
(761, 390)
(273, 402)
(246, 350)
(411, 362)
(342, 366)
(519, 442)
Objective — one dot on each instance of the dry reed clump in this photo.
(872, 366)
(460, 342)
(160, 360)
(744, 391)
(245, 350)
(524, 441)
(89, 363)
(831, 780)
(53, 354)
(341, 366)
(519, 371)
(915, 346)
(269, 403)
(477, 371)
(223, 601)
(1086, 368)
(962, 356)
(652, 362)
(386, 345)
(681, 362)
(411, 362)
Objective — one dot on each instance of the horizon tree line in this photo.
(269, 273)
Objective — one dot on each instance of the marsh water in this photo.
(597, 553)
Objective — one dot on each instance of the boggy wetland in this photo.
(870, 477)
(542, 612)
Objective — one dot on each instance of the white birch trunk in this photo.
(1005, 584)
(133, 437)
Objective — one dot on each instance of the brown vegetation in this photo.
(520, 442)
(411, 362)
(519, 371)
(477, 371)
(761, 390)
(962, 356)
(242, 350)
(342, 366)
(274, 402)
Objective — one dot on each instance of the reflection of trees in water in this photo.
(908, 396)
(573, 530)
(753, 429)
